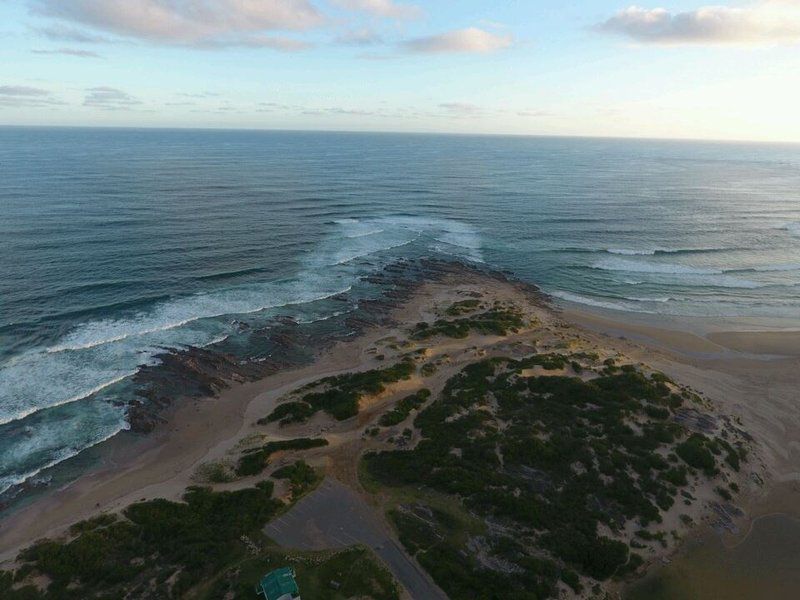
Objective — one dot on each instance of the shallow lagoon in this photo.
(766, 565)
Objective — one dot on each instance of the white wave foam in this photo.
(349, 258)
(364, 234)
(110, 340)
(370, 236)
(776, 268)
(193, 308)
(333, 315)
(793, 228)
(631, 266)
(725, 281)
(65, 454)
(14, 412)
(578, 299)
(98, 354)
(659, 250)
(659, 300)
(627, 252)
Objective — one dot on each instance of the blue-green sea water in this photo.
(115, 244)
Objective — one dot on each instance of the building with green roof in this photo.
(279, 584)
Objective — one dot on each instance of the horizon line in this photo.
(396, 132)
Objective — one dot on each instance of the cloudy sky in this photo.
(674, 68)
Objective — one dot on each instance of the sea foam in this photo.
(630, 266)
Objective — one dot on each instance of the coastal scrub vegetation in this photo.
(495, 321)
(156, 549)
(339, 395)
(332, 575)
(558, 465)
(208, 546)
(403, 408)
(302, 478)
(463, 307)
(255, 460)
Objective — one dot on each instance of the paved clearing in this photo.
(334, 516)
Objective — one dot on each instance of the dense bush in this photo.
(431, 540)
(152, 543)
(301, 477)
(696, 452)
(254, 461)
(564, 461)
(404, 407)
(289, 412)
(339, 395)
(492, 322)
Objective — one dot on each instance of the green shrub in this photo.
(289, 412)
(155, 541)
(342, 393)
(695, 452)
(428, 370)
(301, 477)
(492, 322)
(256, 460)
(550, 426)
(404, 407)
(463, 307)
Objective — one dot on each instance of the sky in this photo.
(673, 68)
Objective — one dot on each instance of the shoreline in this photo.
(197, 431)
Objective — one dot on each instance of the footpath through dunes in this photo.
(470, 440)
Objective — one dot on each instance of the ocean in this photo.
(117, 244)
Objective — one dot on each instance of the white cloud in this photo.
(534, 113)
(19, 96)
(383, 8)
(109, 98)
(359, 37)
(70, 52)
(273, 42)
(470, 40)
(63, 33)
(463, 109)
(190, 22)
(22, 90)
(768, 22)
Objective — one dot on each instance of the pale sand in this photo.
(778, 343)
(737, 371)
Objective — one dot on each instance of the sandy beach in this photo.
(749, 376)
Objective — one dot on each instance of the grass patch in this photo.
(463, 307)
(215, 472)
